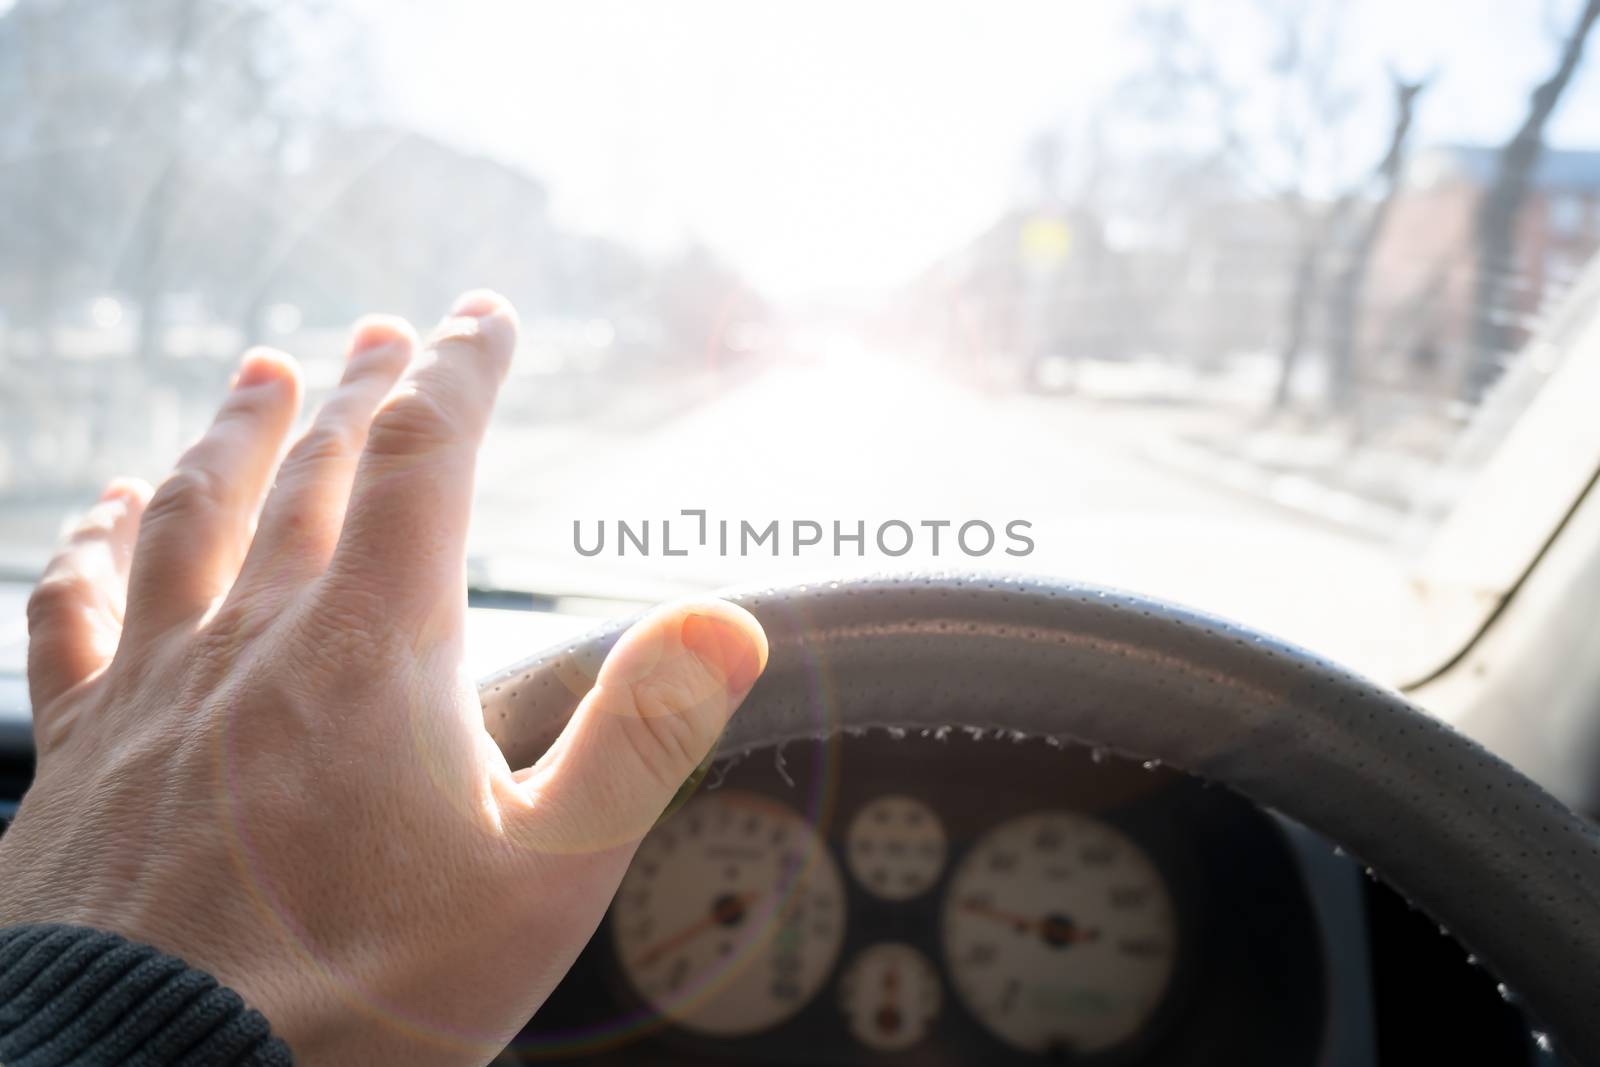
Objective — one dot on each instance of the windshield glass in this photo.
(1195, 299)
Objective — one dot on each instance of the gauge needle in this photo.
(891, 985)
(727, 910)
(888, 1015)
(1055, 929)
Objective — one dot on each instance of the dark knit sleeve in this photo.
(69, 994)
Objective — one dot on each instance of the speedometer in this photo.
(1059, 934)
(731, 916)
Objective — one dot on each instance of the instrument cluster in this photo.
(1058, 931)
(922, 900)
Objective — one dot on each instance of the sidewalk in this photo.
(1368, 497)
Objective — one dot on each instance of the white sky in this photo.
(823, 145)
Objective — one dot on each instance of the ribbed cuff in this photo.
(70, 994)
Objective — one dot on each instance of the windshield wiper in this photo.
(485, 596)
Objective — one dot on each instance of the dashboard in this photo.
(895, 899)
(950, 899)
(957, 899)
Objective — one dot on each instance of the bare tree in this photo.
(1498, 211)
(153, 230)
(50, 202)
(1313, 229)
(1279, 131)
(1344, 302)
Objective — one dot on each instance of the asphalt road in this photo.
(865, 442)
(855, 440)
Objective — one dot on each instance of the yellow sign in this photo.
(1045, 241)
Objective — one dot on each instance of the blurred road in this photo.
(857, 440)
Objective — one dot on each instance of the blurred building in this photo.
(1416, 330)
(1238, 264)
(1043, 289)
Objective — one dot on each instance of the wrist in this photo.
(74, 994)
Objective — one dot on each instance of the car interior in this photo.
(1274, 738)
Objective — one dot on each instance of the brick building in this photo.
(1416, 329)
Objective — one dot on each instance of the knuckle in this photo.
(187, 489)
(241, 405)
(330, 438)
(414, 422)
(233, 626)
(247, 405)
(57, 593)
(376, 368)
(97, 525)
(671, 731)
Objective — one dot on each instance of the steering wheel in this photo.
(1506, 867)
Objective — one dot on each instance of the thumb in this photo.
(659, 704)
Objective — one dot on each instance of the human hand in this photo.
(257, 746)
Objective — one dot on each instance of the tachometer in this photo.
(1059, 933)
(731, 916)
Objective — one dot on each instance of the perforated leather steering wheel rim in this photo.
(1491, 856)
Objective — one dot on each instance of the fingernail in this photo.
(118, 489)
(726, 648)
(476, 304)
(370, 340)
(257, 372)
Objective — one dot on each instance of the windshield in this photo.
(1195, 299)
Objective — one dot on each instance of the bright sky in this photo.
(823, 145)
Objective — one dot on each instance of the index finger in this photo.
(404, 536)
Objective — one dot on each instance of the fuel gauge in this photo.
(890, 996)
